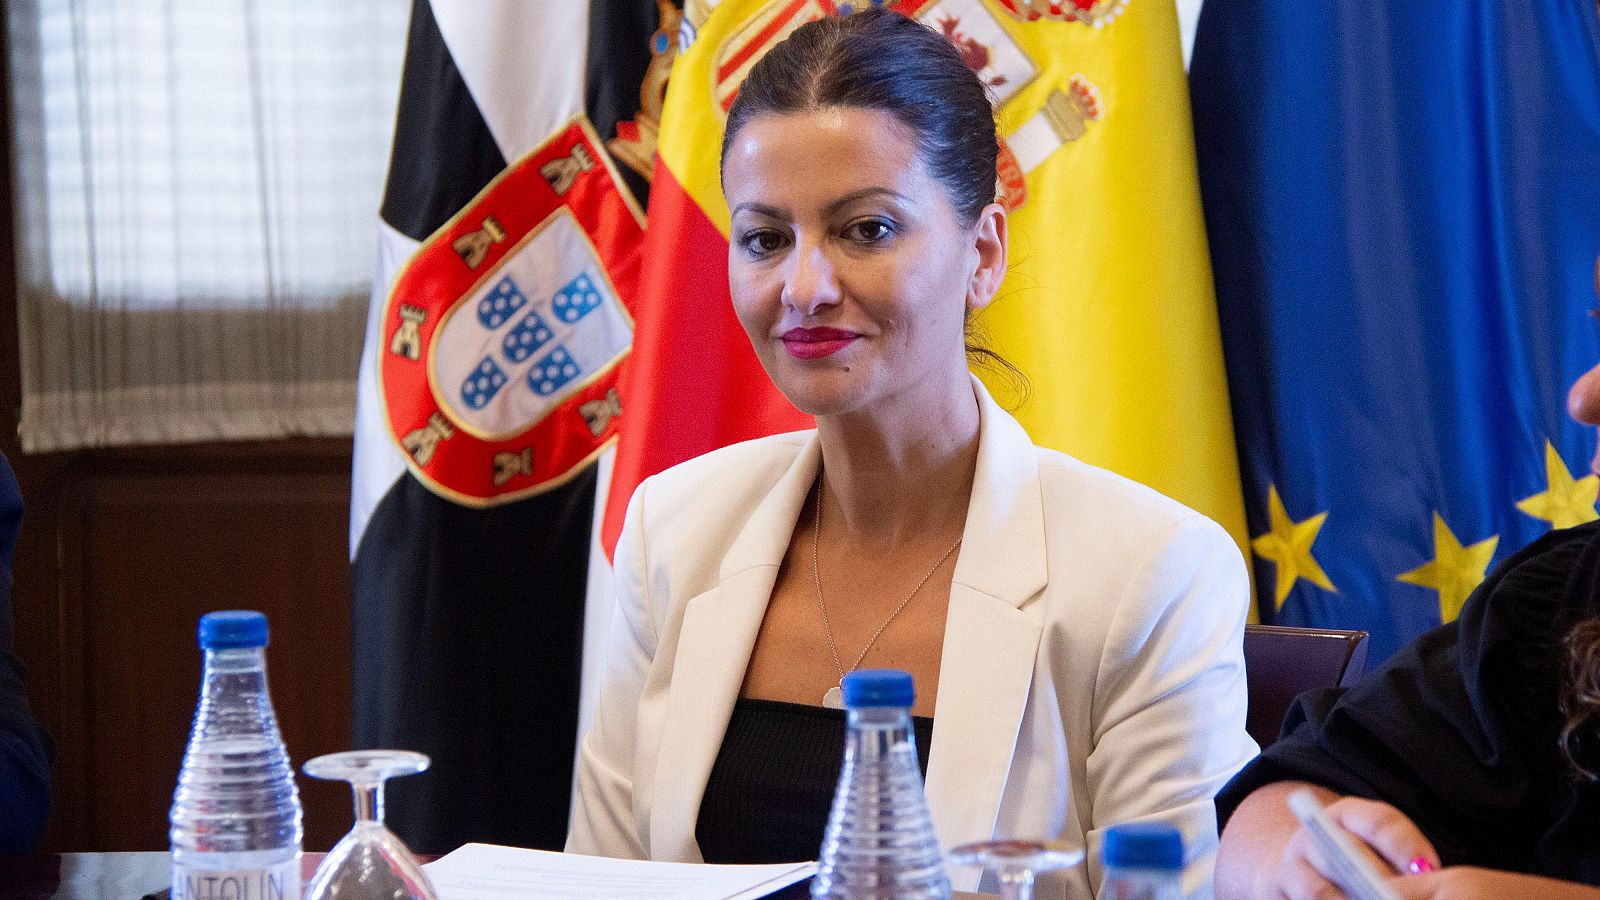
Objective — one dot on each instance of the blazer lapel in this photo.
(715, 640)
(991, 641)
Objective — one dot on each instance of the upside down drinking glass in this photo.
(369, 863)
(1016, 863)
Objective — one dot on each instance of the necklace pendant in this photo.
(834, 698)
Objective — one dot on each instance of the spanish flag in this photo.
(1108, 308)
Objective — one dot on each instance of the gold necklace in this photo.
(833, 698)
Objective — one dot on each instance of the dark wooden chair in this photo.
(1280, 662)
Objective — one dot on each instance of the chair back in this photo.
(1281, 662)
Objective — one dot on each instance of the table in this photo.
(123, 876)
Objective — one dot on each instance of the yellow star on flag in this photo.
(1455, 570)
(1566, 501)
(1288, 545)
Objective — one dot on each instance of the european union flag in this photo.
(1403, 206)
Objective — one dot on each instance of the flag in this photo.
(1108, 307)
(501, 317)
(1403, 203)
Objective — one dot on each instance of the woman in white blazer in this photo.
(1075, 637)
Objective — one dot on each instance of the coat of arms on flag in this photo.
(984, 45)
(510, 320)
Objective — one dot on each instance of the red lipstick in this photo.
(815, 343)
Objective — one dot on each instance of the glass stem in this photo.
(369, 802)
(1016, 884)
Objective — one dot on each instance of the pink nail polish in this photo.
(1420, 866)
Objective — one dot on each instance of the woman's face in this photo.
(848, 267)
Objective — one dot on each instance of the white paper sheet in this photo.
(490, 872)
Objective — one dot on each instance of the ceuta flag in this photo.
(502, 314)
(1108, 308)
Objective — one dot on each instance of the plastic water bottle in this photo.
(1143, 861)
(236, 813)
(880, 843)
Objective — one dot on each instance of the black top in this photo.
(1460, 730)
(770, 789)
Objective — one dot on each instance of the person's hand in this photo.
(1390, 842)
(1471, 883)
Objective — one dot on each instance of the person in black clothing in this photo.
(1471, 758)
(25, 748)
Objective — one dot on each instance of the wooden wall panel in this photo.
(143, 556)
(144, 547)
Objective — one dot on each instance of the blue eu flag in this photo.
(1403, 205)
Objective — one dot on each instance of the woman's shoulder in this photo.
(1513, 628)
(717, 489)
(1122, 551)
(1531, 599)
(737, 465)
(1099, 505)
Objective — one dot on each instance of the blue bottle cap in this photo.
(1143, 845)
(233, 628)
(878, 687)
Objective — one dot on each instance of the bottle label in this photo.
(279, 882)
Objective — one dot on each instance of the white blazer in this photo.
(1092, 670)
